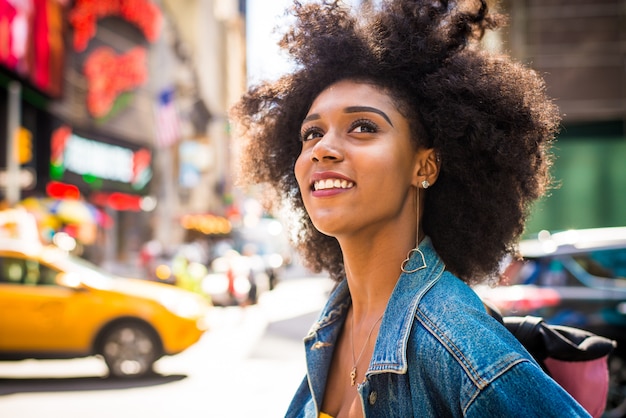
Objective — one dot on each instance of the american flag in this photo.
(167, 123)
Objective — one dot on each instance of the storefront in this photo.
(32, 56)
(115, 144)
(103, 142)
(112, 177)
(84, 120)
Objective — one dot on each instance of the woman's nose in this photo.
(327, 149)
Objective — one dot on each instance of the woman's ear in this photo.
(427, 164)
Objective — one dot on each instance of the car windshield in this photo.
(609, 264)
(599, 269)
(83, 269)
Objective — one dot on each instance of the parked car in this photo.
(575, 278)
(55, 305)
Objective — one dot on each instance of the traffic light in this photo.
(24, 145)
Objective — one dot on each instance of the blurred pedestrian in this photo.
(410, 156)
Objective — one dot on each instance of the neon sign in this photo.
(109, 74)
(73, 153)
(85, 14)
(31, 42)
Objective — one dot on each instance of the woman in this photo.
(409, 158)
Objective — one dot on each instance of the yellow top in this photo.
(323, 415)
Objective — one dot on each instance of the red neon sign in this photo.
(85, 14)
(60, 190)
(31, 42)
(109, 74)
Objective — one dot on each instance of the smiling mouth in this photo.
(332, 184)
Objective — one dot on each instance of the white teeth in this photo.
(332, 184)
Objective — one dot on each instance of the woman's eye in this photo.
(309, 134)
(364, 126)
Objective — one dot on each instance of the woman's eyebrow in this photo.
(312, 116)
(357, 109)
(353, 109)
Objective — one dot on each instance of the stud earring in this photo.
(425, 184)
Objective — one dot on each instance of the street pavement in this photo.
(248, 365)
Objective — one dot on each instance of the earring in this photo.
(425, 184)
(417, 229)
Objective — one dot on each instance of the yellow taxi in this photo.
(55, 305)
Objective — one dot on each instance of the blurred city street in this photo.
(248, 365)
(119, 157)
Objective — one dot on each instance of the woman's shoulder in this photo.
(452, 294)
(453, 321)
(453, 308)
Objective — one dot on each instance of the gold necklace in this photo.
(356, 362)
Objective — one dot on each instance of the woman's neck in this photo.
(373, 267)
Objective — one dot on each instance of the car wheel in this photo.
(129, 350)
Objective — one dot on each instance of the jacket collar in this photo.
(389, 354)
(424, 270)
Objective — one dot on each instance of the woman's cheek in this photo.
(299, 170)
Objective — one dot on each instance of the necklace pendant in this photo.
(353, 376)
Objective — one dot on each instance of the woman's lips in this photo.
(332, 183)
(330, 180)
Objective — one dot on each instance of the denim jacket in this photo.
(438, 354)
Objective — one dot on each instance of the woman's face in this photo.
(357, 165)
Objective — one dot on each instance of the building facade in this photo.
(579, 47)
(121, 105)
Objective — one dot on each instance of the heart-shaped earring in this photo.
(408, 258)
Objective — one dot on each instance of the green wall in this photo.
(591, 193)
